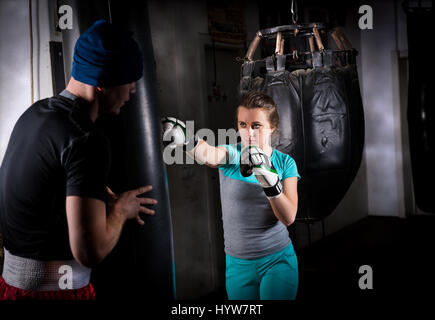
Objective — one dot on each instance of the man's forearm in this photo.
(114, 223)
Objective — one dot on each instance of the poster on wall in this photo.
(226, 21)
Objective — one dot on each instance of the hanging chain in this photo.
(294, 11)
(110, 11)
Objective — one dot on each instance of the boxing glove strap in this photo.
(275, 191)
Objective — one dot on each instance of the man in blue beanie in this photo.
(58, 218)
(107, 63)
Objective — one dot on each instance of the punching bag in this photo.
(141, 266)
(320, 110)
(421, 113)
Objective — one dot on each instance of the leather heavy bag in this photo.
(421, 114)
(141, 266)
(320, 110)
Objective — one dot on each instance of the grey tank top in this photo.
(251, 229)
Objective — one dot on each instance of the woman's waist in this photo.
(248, 243)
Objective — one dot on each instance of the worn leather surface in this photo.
(421, 112)
(321, 127)
(141, 266)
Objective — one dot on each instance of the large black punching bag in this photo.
(421, 108)
(320, 110)
(141, 266)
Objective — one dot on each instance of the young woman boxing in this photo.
(258, 186)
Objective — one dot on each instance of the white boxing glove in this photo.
(174, 134)
(254, 160)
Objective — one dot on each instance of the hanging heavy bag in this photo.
(320, 109)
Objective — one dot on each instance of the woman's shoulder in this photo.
(286, 164)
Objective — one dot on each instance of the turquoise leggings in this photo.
(273, 277)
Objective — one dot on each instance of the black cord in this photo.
(110, 11)
(214, 62)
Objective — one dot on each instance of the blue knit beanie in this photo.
(106, 56)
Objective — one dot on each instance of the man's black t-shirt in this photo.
(54, 151)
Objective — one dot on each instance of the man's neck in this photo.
(87, 93)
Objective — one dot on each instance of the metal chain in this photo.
(294, 11)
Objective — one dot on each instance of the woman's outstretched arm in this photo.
(175, 134)
(212, 157)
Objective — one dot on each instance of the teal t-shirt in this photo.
(251, 229)
(283, 163)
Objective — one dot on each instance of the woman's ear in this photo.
(99, 89)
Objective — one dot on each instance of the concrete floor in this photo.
(399, 251)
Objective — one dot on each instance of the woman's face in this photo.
(254, 127)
